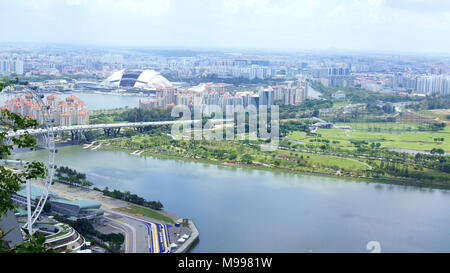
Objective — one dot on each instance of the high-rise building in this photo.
(17, 66)
(430, 85)
(9, 66)
(266, 96)
(405, 82)
(5, 68)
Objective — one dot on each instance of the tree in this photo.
(10, 181)
(232, 156)
(438, 151)
(33, 244)
(248, 159)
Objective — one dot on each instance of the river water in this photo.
(244, 210)
(94, 101)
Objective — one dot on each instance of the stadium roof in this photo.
(136, 78)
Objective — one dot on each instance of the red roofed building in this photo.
(71, 111)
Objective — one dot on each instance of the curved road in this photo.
(141, 235)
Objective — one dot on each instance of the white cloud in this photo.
(353, 24)
(73, 2)
(420, 6)
(144, 7)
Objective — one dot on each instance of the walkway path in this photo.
(96, 147)
(89, 145)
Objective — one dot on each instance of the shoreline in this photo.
(190, 242)
(115, 206)
(74, 193)
(383, 180)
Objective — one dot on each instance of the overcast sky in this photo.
(368, 25)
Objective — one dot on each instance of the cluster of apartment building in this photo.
(219, 94)
(231, 66)
(11, 66)
(343, 77)
(71, 111)
(251, 72)
(334, 76)
(427, 84)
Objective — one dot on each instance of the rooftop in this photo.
(83, 204)
(36, 192)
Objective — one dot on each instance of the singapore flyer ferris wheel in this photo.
(48, 140)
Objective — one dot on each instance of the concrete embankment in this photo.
(191, 240)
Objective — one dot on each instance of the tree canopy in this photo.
(10, 180)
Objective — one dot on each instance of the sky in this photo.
(360, 25)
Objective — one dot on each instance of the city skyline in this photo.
(370, 25)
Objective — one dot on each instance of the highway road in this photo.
(129, 230)
(141, 235)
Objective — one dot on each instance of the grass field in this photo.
(420, 141)
(147, 212)
(327, 160)
(438, 113)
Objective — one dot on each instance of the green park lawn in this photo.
(420, 141)
(146, 212)
(327, 160)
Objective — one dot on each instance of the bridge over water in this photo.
(78, 131)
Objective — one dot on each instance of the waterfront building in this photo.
(76, 209)
(20, 197)
(71, 111)
(207, 94)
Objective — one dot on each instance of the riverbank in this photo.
(74, 193)
(235, 207)
(113, 205)
(162, 155)
(384, 180)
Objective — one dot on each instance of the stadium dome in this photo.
(129, 78)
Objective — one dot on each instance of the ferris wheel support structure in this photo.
(47, 122)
